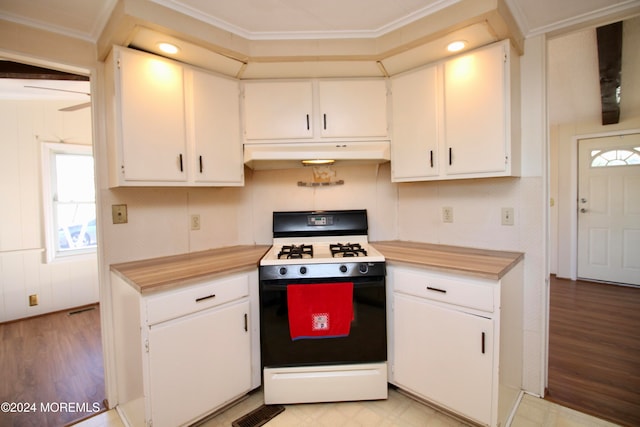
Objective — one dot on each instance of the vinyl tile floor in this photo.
(397, 410)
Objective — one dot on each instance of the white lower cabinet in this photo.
(444, 355)
(200, 361)
(186, 352)
(447, 335)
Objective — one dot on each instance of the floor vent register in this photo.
(258, 416)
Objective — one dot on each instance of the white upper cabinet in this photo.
(278, 109)
(170, 124)
(414, 148)
(353, 108)
(150, 102)
(476, 113)
(213, 129)
(315, 110)
(475, 125)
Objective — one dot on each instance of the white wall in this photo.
(61, 284)
(159, 221)
(365, 187)
(563, 153)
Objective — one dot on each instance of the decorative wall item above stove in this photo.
(322, 310)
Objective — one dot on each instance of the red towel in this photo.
(323, 310)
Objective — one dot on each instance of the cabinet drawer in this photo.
(176, 303)
(474, 293)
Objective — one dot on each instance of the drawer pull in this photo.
(483, 343)
(444, 291)
(246, 323)
(205, 298)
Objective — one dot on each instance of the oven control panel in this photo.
(320, 220)
(322, 271)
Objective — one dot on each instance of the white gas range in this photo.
(322, 310)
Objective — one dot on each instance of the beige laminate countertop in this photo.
(476, 262)
(174, 271)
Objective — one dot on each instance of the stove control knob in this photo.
(303, 270)
(283, 271)
(343, 268)
(363, 268)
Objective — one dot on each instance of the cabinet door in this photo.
(414, 145)
(198, 362)
(151, 106)
(353, 108)
(278, 109)
(214, 129)
(444, 355)
(475, 112)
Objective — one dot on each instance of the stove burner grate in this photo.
(296, 251)
(347, 250)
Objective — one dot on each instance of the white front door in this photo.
(609, 209)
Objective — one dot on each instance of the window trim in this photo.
(49, 149)
(634, 153)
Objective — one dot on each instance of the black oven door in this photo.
(365, 343)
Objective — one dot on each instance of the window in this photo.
(69, 200)
(619, 157)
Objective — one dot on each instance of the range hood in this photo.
(262, 156)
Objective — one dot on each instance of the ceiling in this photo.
(304, 19)
(259, 19)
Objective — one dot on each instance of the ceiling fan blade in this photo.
(56, 89)
(76, 107)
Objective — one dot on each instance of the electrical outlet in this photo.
(447, 214)
(507, 216)
(195, 222)
(33, 300)
(119, 214)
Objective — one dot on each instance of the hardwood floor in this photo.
(594, 349)
(53, 364)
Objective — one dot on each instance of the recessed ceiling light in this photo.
(169, 48)
(456, 46)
